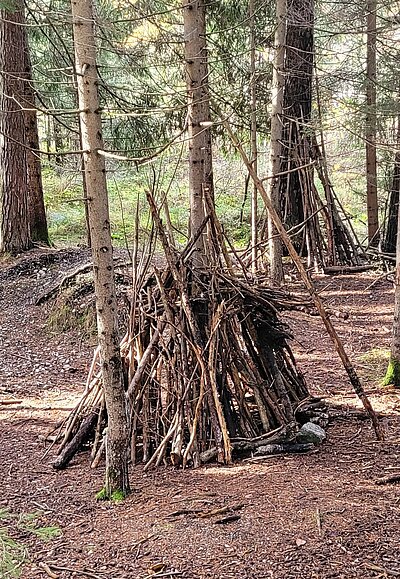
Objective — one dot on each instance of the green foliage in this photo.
(101, 495)
(65, 208)
(74, 309)
(30, 522)
(13, 554)
(392, 377)
(65, 317)
(9, 5)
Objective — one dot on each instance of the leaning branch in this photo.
(354, 379)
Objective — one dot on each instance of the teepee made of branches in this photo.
(208, 364)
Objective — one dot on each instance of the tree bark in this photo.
(37, 212)
(389, 241)
(253, 138)
(14, 223)
(200, 149)
(116, 480)
(298, 71)
(370, 133)
(278, 82)
(393, 371)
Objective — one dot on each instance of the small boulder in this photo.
(311, 433)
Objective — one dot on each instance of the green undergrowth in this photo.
(127, 189)
(30, 522)
(13, 552)
(74, 309)
(373, 364)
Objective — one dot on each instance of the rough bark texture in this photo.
(393, 371)
(14, 224)
(37, 212)
(278, 82)
(298, 68)
(370, 133)
(200, 153)
(253, 137)
(389, 241)
(99, 222)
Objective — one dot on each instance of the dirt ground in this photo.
(317, 516)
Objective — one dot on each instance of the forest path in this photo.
(316, 516)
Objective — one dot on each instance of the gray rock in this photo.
(285, 447)
(310, 432)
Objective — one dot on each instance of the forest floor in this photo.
(318, 516)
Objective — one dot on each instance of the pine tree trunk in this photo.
(14, 224)
(275, 243)
(298, 70)
(389, 241)
(200, 148)
(370, 133)
(116, 482)
(393, 371)
(253, 138)
(37, 212)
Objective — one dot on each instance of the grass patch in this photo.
(66, 215)
(13, 553)
(29, 522)
(374, 364)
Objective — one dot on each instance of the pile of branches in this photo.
(209, 371)
(208, 366)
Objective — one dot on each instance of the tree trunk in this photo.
(37, 212)
(370, 132)
(200, 150)
(14, 224)
(275, 243)
(393, 371)
(389, 241)
(253, 138)
(116, 482)
(298, 70)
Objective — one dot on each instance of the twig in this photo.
(383, 570)
(388, 479)
(167, 574)
(319, 522)
(226, 520)
(221, 511)
(144, 540)
(47, 570)
(77, 571)
(354, 379)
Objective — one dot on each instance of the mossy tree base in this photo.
(392, 376)
(115, 496)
